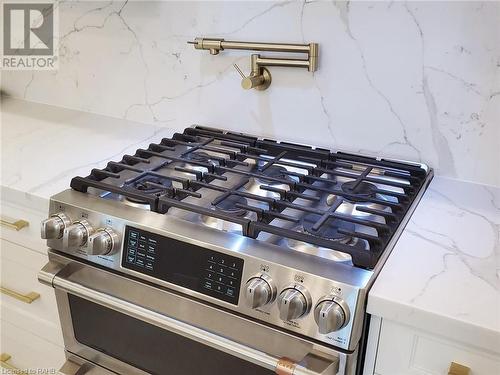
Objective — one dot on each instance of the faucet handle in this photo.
(255, 81)
(239, 71)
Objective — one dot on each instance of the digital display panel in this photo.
(197, 268)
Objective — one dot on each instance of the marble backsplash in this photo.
(411, 80)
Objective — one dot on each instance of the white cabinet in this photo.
(19, 268)
(31, 335)
(28, 236)
(28, 351)
(403, 350)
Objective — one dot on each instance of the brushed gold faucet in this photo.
(260, 77)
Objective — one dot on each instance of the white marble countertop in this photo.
(443, 276)
(43, 147)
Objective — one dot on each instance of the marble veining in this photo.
(443, 274)
(446, 264)
(44, 147)
(410, 80)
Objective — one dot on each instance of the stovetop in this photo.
(334, 205)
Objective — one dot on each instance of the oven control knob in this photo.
(76, 234)
(102, 242)
(294, 302)
(259, 291)
(331, 314)
(53, 227)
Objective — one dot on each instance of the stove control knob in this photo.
(260, 290)
(331, 314)
(76, 234)
(294, 302)
(102, 242)
(53, 227)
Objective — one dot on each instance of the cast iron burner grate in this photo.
(211, 158)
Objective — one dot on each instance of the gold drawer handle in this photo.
(14, 224)
(4, 357)
(26, 298)
(458, 369)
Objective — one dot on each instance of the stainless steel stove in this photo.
(230, 253)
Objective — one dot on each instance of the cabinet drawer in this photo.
(19, 269)
(29, 351)
(28, 236)
(406, 351)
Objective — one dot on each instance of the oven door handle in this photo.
(312, 364)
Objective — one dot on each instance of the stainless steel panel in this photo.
(320, 276)
(223, 330)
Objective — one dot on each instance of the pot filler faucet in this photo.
(260, 77)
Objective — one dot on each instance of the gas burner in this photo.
(363, 192)
(142, 184)
(329, 230)
(274, 171)
(228, 205)
(349, 208)
(188, 163)
(198, 156)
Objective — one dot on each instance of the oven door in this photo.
(130, 327)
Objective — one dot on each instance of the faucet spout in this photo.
(260, 77)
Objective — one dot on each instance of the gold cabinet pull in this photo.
(4, 357)
(458, 369)
(14, 224)
(26, 298)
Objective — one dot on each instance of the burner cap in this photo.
(329, 229)
(142, 185)
(198, 156)
(275, 171)
(363, 192)
(228, 205)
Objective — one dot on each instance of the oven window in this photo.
(148, 347)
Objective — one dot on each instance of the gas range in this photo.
(287, 236)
